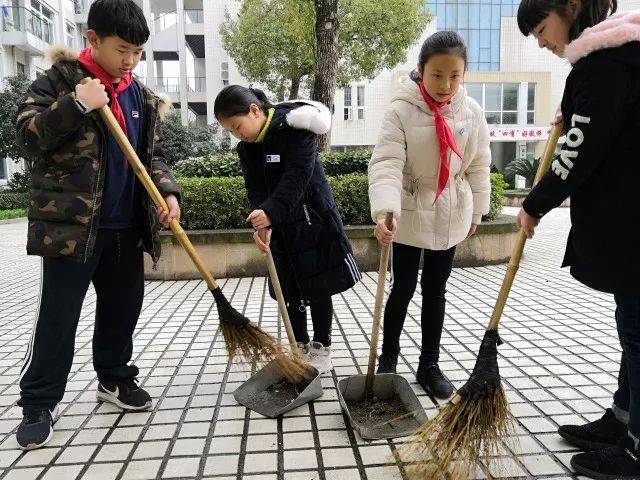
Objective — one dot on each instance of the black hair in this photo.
(445, 41)
(235, 100)
(122, 18)
(592, 12)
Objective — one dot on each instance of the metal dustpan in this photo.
(263, 392)
(267, 391)
(384, 405)
(385, 387)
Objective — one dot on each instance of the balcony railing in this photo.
(168, 84)
(197, 84)
(21, 19)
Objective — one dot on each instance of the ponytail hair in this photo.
(592, 12)
(236, 100)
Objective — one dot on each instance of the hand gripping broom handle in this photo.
(377, 312)
(280, 297)
(518, 248)
(150, 187)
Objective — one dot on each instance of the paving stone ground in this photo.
(559, 365)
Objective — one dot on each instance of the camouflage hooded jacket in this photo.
(69, 173)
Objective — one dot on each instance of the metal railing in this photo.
(168, 84)
(197, 84)
(81, 6)
(164, 21)
(21, 19)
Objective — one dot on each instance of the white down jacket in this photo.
(403, 172)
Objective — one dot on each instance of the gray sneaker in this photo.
(320, 357)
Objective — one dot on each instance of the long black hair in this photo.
(592, 12)
(445, 41)
(236, 100)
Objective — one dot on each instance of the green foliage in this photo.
(221, 203)
(181, 142)
(273, 41)
(497, 196)
(6, 214)
(11, 95)
(525, 167)
(13, 200)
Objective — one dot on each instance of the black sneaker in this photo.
(36, 428)
(387, 363)
(431, 378)
(621, 462)
(124, 393)
(603, 433)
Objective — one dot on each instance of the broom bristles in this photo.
(458, 436)
(250, 343)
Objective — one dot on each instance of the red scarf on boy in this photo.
(445, 136)
(86, 60)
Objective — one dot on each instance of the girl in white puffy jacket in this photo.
(431, 169)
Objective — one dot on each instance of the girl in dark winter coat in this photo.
(599, 167)
(292, 204)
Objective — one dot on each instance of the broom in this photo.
(470, 426)
(294, 368)
(242, 337)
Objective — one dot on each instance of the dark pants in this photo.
(627, 398)
(321, 317)
(435, 273)
(116, 270)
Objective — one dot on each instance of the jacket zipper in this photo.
(306, 213)
(95, 194)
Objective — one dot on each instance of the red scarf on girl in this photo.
(445, 136)
(86, 60)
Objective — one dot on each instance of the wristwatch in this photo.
(81, 105)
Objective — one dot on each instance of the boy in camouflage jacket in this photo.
(90, 219)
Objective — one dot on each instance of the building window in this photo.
(225, 73)
(40, 21)
(21, 68)
(531, 103)
(498, 100)
(347, 102)
(478, 23)
(70, 36)
(360, 100)
(3, 169)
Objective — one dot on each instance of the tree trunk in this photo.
(324, 83)
(295, 88)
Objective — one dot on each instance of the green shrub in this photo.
(6, 214)
(497, 196)
(221, 203)
(343, 163)
(228, 164)
(218, 165)
(13, 200)
(351, 193)
(213, 203)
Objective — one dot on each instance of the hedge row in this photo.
(13, 200)
(221, 203)
(228, 164)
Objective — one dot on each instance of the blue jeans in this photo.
(627, 398)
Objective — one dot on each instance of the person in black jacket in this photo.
(293, 206)
(599, 168)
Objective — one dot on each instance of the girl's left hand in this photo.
(528, 223)
(173, 213)
(259, 219)
(472, 230)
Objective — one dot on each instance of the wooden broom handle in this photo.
(277, 288)
(377, 312)
(516, 254)
(150, 187)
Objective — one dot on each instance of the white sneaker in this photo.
(320, 357)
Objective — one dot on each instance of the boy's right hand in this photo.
(93, 94)
(258, 235)
(383, 234)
